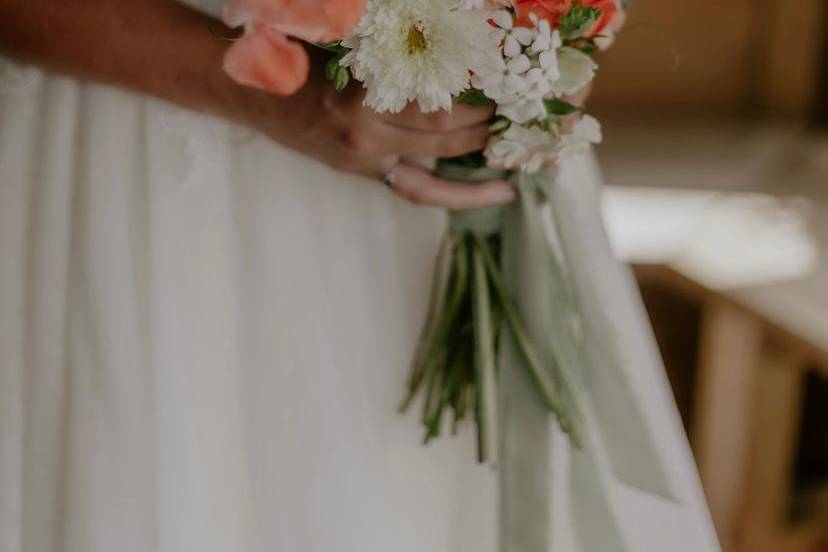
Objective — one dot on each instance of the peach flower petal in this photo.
(264, 56)
(551, 10)
(268, 61)
(310, 20)
(344, 16)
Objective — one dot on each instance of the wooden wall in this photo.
(716, 56)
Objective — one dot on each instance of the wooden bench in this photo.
(748, 396)
(757, 344)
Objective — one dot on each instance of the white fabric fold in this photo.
(204, 339)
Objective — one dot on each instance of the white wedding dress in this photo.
(204, 338)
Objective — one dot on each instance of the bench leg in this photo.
(765, 523)
(730, 353)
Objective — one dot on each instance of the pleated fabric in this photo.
(204, 338)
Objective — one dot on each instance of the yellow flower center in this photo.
(416, 41)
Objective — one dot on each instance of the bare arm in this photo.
(164, 49)
(157, 47)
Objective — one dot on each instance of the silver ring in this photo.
(390, 178)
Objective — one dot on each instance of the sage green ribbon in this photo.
(545, 281)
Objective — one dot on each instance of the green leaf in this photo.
(331, 68)
(343, 77)
(335, 47)
(475, 97)
(472, 160)
(559, 107)
(578, 21)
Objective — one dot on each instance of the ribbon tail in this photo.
(535, 283)
(524, 471)
(618, 334)
(595, 525)
(525, 422)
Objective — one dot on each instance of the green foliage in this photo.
(559, 107)
(475, 97)
(474, 160)
(578, 21)
(343, 77)
(336, 73)
(331, 68)
(336, 47)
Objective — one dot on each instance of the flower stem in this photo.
(546, 385)
(437, 303)
(484, 359)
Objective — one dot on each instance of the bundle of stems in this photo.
(456, 362)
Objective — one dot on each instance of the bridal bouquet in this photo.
(525, 58)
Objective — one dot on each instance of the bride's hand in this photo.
(336, 128)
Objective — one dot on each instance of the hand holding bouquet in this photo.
(524, 59)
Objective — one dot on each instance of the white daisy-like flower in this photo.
(522, 110)
(546, 39)
(525, 147)
(421, 51)
(585, 132)
(530, 147)
(525, 75)
(513, 38)
(576, 70)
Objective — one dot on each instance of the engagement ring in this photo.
(390, 178)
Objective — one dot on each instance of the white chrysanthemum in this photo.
(405, 51)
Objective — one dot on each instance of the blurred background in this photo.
(716, 154)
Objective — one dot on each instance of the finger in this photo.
(422, 188)
(376, 168)
(461, 116)
(436, 144)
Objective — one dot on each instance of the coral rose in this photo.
(265, 57)
(553, 10)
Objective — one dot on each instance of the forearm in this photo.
(157, 47)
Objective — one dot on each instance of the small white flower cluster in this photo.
(534, 67)
(526, 72)
(531, 147)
